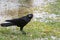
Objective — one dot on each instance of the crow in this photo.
(20, 22)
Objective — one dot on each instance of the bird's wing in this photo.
(15, 20)
(12, 20)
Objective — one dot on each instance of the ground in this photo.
(34, 30)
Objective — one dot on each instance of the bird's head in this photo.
(30, 15)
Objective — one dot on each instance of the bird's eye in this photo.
(29, 15)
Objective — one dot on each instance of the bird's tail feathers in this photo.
(6, 24)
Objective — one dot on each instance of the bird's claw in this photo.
(23, 32)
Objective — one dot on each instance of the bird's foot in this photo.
(23, 32)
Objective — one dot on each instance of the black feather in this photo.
(6, 24)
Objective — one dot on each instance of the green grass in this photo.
(34, 31)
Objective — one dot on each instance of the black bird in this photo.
(20, 22)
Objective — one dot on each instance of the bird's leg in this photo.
(21, 29)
